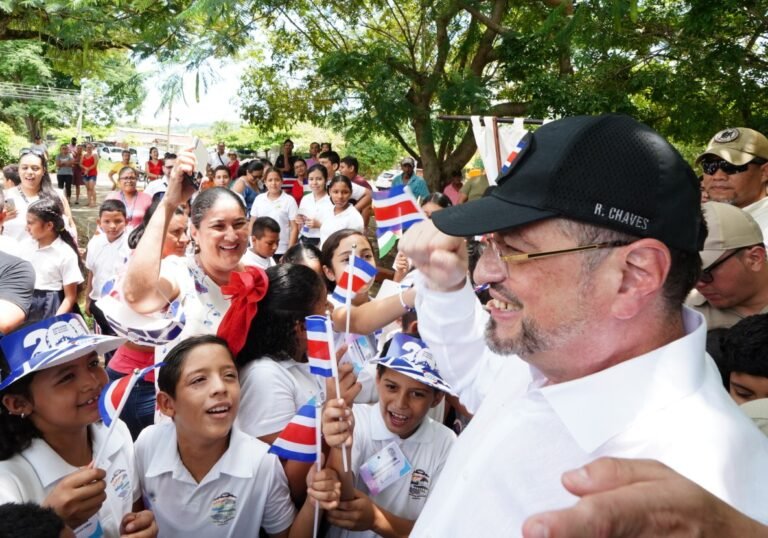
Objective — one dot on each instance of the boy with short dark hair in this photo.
(397, 451)
(744, 359)
(265, 238)
(202, 475)
(107, 254)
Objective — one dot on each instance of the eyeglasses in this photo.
(706, 275)
(710, 167)
(505, 259)
(129, 179)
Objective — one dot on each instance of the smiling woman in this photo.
(35, 184)
(191, 284)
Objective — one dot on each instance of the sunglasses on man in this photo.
(712, 166)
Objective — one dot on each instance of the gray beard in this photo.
(529, 341)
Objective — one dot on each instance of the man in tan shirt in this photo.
(734, 282)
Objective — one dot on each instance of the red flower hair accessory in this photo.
(246, 289)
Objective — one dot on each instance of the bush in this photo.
(7, 154)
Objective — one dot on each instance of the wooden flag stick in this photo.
(335, 371)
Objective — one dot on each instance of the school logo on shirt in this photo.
(419, 488)
(223, 508)
(120, 483)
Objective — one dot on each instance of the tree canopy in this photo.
(686, 68)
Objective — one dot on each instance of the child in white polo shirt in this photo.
(50, 431)
(203, 476)
(107, 254)
(397, 451)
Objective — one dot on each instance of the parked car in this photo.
(111, 153)
(384, 181)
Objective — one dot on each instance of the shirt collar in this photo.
(50, 467)
(379, 431)
(237, 461)
(597, 407)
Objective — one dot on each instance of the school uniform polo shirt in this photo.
(289, 385)
(246, 489)
(55, 264)
(283, 209)
(426, 450)
(253, 259)
(33, 474)
(105, 259)
(668, 404)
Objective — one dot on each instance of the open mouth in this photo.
(503, 306)
(89, 402)
(397, 419)
(219, 410)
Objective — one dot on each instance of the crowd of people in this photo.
(575, 351)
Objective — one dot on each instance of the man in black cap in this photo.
(586, 349)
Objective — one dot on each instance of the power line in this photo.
(37, 93)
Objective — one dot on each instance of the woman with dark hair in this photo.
(154, 167)
(191, 284)
(250, 183)
(35, 185)
(136, 203)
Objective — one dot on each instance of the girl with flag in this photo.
(274, 372)
(204, 476)
(366, 316)
(50, 432)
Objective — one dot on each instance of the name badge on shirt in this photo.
(384, 468)
(361, 350)
(90, 529)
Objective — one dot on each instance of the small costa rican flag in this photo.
(319, 341)
(395, 211)
(114, 395)
(298, 441)
(356, 276)
(515, 152)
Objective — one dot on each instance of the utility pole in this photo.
(80, 112)
(168, 134)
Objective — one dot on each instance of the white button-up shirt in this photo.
(667, 405)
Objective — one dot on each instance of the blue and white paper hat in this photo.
(49, 343)
(410, 356)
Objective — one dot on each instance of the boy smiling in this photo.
(203, 476)
(397, 429)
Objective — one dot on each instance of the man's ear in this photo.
(754, 258)
(165, 404)
(644, 266)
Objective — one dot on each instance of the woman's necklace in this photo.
(23, 196)
(133, 205)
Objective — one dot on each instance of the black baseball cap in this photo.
(608, 170)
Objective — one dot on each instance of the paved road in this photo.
(85, 217)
